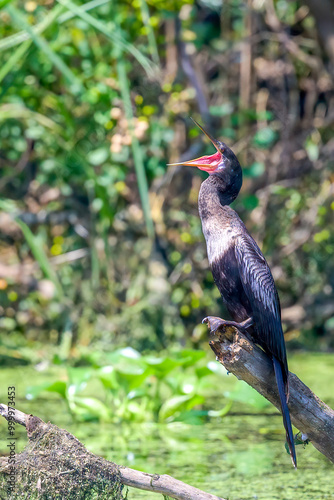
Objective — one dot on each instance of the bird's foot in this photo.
(222, 325)
(218, 325)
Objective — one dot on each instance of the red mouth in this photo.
(207, 163)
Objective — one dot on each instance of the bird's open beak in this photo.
(207, 163)
(214, 141)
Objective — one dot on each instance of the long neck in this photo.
(218, 191)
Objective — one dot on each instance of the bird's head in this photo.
(223, 161)
(224, 169)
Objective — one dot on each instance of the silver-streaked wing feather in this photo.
(260, 289)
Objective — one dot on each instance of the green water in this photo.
(241, 456)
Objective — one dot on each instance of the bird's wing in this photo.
(260, 289)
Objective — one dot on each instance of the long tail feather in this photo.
(285, 410)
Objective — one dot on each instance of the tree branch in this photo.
(56, 465)
(250, 363)
(166, 485)
(323, 14)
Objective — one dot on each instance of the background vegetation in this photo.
(101, 244)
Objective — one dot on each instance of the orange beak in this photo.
(207, 163)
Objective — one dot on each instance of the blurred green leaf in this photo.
(19, 19)
(78, 377)
(190, 357)
(3, 3)
(246, 394)
(150, 31)
(222, 110)
(16, 57)
(40, 256)
(177, 404)
(90, 408)
(136, 150)
(203, 371)
(221, 413)
(98, 156)
(108, 377)
(254, 170)
(312, 150)
(58, 386)
(113, 34)
(264, 138)
(24, 36)
(8, 324)
(250, 201)
(163, 366)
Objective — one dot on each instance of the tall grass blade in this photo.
(22, 36)
(135, 145)
(20, 20)
(40, 256)
(145, 14)
(86, 7)
(118, 40)
(3, 3)
(16, 57)
(20, 112)
(95, 263)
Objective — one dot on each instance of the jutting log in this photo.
(56, 465)
(250, 363)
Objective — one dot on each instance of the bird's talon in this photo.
(215, 324)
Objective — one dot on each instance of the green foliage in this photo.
(254, 170)
(246, 394)
(255, 460)
(108, 249)
(36, 246)
(138, 388)
(264, 138)
(95, 100)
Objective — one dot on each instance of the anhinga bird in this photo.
(239, 269)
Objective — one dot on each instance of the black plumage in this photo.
(240, 271)
(239, 268)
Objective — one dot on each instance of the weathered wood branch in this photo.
(56, 465)
(250, 363)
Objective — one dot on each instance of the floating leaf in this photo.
(59, 387)
(90, 408)
(178, 404)
(108, 377)
(190, 357)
